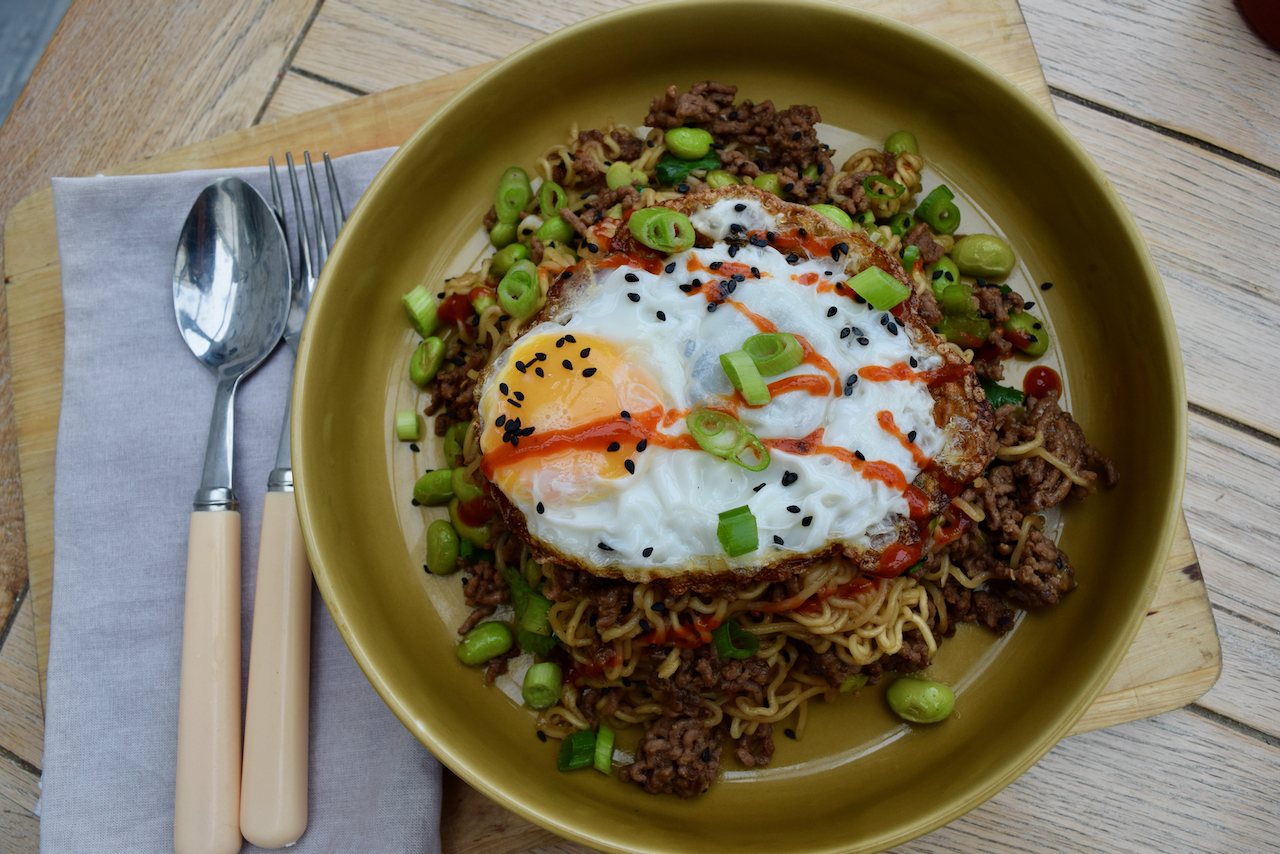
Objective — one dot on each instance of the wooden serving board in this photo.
(1174, 659)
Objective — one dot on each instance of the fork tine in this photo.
(304, 242)
(335, 198)
(317, 213)
(277, 202)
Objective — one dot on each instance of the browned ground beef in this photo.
(498, 666)
(452, 390)
(676, 756)
(485, 586)
(756, 749)
(629, 147)
(990, 363)
(914, 654)
(927, 306)
(975, 606)
(596, 208)
(777, 139)
(921, 238)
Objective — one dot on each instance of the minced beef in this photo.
(676, 756)
(1041, 484)
(975, 606)
(756, 749)
(498, 666)
(453, 391)
(486, 585)
(629, 147)
(596, 208)
(927, 307)
(989, 360)
(913, 655)
(474, 618)
(930, 250)
(829, 666)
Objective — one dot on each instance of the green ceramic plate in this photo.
(859, 780)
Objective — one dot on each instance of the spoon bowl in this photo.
(231, 294)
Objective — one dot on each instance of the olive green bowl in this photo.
(859, 780)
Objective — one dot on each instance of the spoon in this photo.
(231, 296)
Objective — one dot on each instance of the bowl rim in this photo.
(1045, 121)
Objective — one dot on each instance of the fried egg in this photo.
(582, 419)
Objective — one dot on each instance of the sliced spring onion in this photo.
(901, 223)
(483, 298)
(577, 751)
(603, 759)
(426, 361)
(745, 376)
(939, 211)
(965, 331)
(879, 289)
(834, 214)
(551, 198)
(957, 300)
(732, 641)
(518, 291)
(866, 219)
(466, 490)
(999, 395)
(723, 435)
(737, 531)
(408, 426)
(434, 487)
(910, 255)
(880, 179)
(513, 194)
(541, 688)
(1026, 332)
(774, 352)
(534, 619)
(420, 305)
(662, 229)
(853, 682)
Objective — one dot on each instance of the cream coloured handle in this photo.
(206, 817)
(273, 791)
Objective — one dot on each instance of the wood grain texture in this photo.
(1212, 225)
(1192, 65)
(21, 710)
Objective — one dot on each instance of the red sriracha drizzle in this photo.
(1041, 380)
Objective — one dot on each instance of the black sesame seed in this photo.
(735, 227)
(755, 272)
(560, 343)
(893, 328)
(789, 733)
(789, 477)
(851, 380)
(648, 551)
(662, 315)
(682, 188)
(788, 187)
(641, 445)
(792, 508)
(848, 390)
(838, 250)
(859, 455)
(502, 387)
(758, 488)
(571, 339)
(711, 306)
(413, 447)
(586, 351)
(706, 754)
(589, 372)
(778, 540)
(613, 446)
(864, 341)
(542, 736)
(519, 395)
(844, 333)
(632, 277)
(658, 607)
(911, 437)
(605, 547)
(458, 361)
(733, 251)
(739, 207)
(687, 288)
(539, 372)
(542, 357)
(526, 231)
(415, 502)
(568, 366)
(626, 682)
(644, 626)
(857, 297)
(831, 312)
(715, 265)
(807, 521)
(884, 320)
(1028, 305)
(541, 508)
(567, 274)
(629, 466)
(591, 247)
(792, 258)
(1046, 286)
(670, 268)
(1037, 325)
(626, 416)
(770, 236)
(937, 274)
(634, 297)
(440, 295)
(593, 619)
(730, 285)
(913, 362)
(514, 403)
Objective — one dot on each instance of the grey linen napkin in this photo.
(131, 438)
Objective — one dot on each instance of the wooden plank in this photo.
(351, 40)
(1247, 690)
(21, 712)
(1192, 65)
(1212, 225)
(19, 831)
(298, 93)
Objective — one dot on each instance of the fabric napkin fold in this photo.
(131, 437)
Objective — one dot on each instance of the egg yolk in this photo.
(567, 387)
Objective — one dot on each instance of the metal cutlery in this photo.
(231, 296)
(273, 798)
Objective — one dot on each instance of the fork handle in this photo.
(206, 816)
(273, 793)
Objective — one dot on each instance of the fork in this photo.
(273, 789)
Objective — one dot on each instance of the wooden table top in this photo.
(1177, 100)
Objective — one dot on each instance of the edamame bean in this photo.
(983, 255)
(425, 362)
(812, 172)
(721, 178)
(555, 230)
(688, 143)
(903, 140)
(465, 489)
(502, 234)
(442, 548)
(453, 438)
(1027, 333)
(941, 273)
(618, 175)
(504, 258)
(866, 219)
(434, 487)
(485, 641)
(769, 183)
(835, 214)
(920, 700)
(477, 536)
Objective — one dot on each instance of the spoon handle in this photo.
(273, 791)
(207, 795)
